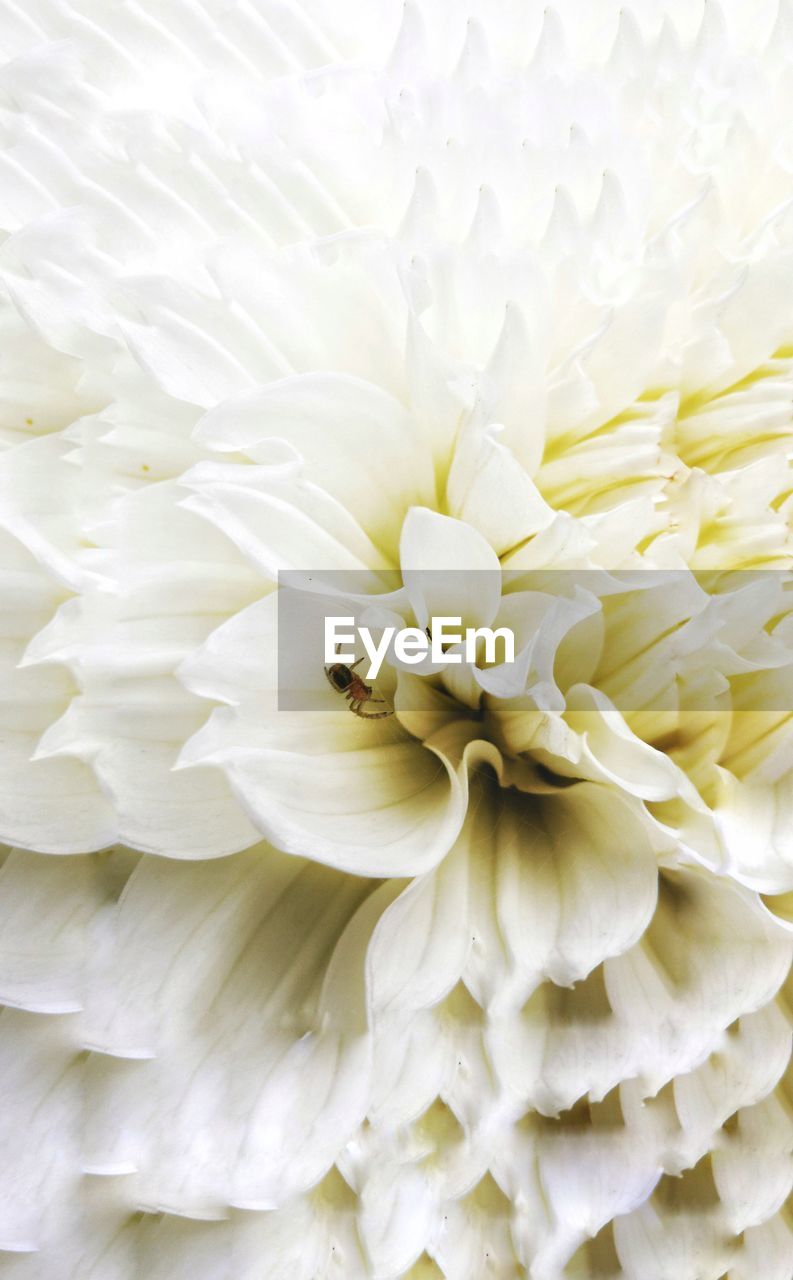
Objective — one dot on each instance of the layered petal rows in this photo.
(480, 311)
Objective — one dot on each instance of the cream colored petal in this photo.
(602, 875)
(420, 946)
(47, 907)
(53, 805)
(356, 441)
(679, 1233)
(271, 1033)
(43, 502)
(366, 797)
(396, 1218)
(589, 1176)
(488, 489)
(753, 822)
(132, 748)
(278, 519)
(753, 1167)
(449, 569)
(413, 1059)
(744, 1069)
(40, 1069)
(388, 809)
(710, 955)
(765, 1252)
(612, 753)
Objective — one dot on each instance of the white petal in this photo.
(420, 945)
(393, 808)
(448, 569)
(217, 942)
(277, 521)
(356, 441)
(710, 955)
(753, 822)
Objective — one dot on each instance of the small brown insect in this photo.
(356, 692)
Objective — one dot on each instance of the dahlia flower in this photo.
(480, 311)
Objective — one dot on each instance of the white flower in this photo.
(486, 986)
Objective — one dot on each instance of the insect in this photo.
(356, 692)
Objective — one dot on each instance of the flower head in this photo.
(483, 314)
